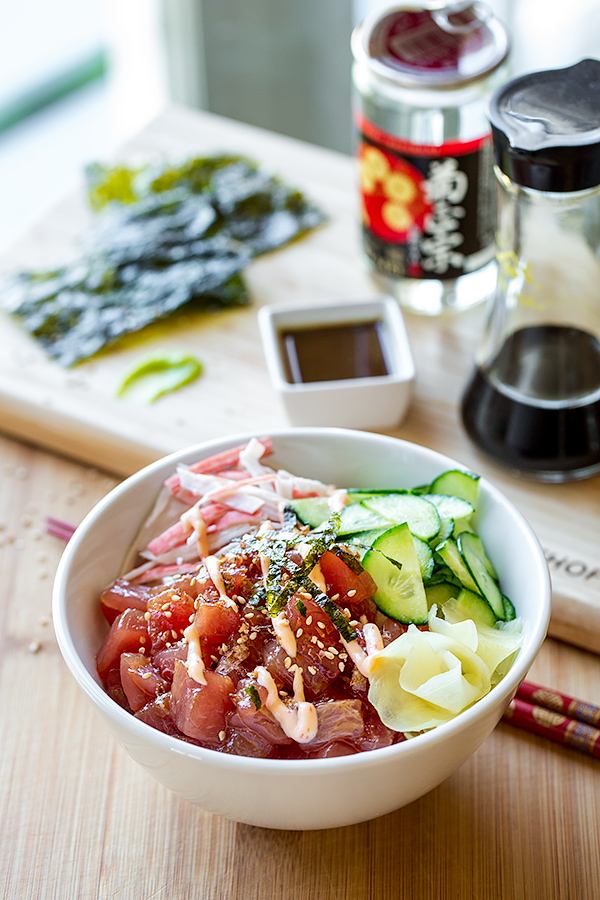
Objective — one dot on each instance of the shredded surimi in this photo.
(300, 723)
(251, 455)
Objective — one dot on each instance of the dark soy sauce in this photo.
(334, 352)
(536, 408)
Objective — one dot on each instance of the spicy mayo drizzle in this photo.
(300, 723)
(194, 662)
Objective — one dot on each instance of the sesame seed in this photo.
(168, 644)
(312, 670)
(168, 614)
(351, 593)
(287, 662)
(142, 639)
(313, 639)
(221, 735)
(253, 635)
(309, 620)
(299, 633)
(191, 618)
(146, 675)
(334, 650)
(341, 666)
(320, 645)
(147, 616)
(34, 647)
(142, 650)
(327, 654)
(321, 625)
(174, 633)
(335, 597)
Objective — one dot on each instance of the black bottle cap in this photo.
(546, 128)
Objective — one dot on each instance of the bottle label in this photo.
(427, 211)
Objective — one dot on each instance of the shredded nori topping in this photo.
(164, 237)
(285, 577)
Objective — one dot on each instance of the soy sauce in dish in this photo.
(334, 352)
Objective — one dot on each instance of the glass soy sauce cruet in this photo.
(533, 402)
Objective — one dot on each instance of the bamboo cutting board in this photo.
(77, 413)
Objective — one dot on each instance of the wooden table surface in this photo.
(79, 819)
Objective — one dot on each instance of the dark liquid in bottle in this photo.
(536, 408)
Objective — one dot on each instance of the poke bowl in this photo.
(309, 733)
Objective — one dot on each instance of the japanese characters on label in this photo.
(427, 212)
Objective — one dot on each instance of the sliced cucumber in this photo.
(461, 525)
(356, 518)
(441, 593)
(509, 610)
(458, 484)
(367, 539)
(451, 555)
(450, 507)
(311, 511)
(442, 572)
(446, 531)
(396, 571)
(425, 557)
(356, 495)
(473, 554)
(469, 605)
(421, 516)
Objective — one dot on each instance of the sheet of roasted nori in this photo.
(164, 236)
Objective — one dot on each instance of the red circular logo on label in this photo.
(393, 195)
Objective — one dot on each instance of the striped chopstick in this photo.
(556, 716)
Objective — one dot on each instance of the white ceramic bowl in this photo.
(368, 402)
(298, 794)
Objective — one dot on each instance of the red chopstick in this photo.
(59, 529)
(552, 699)
(556, 716)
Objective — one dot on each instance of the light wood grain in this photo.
(79, 819)
(76, 412)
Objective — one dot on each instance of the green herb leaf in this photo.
(154, 376)
(252, 692)
(301, 608)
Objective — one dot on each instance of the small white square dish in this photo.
(346, 364)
